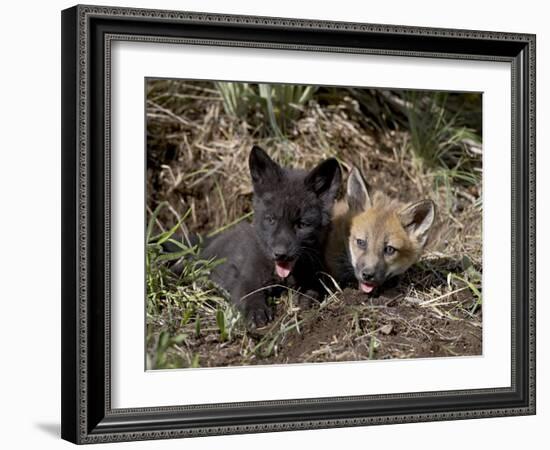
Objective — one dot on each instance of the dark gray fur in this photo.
(291, 215)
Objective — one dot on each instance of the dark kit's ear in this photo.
(358, 197)
(417, 218)
(263, 170)
(325, 180)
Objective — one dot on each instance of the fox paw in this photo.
(308, 299)
(258, 314)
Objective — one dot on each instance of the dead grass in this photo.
(197, 157)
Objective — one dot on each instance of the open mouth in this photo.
(283, 268)
(366, 287)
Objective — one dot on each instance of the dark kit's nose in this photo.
(280, 253)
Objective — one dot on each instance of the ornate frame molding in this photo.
(86, 66)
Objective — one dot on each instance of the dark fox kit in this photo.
(282, 248)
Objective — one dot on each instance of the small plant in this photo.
(439, 140)
(471, 277)
(180, 306)
(282, 102)
(161, 358)
(279, 103)
(237, 97)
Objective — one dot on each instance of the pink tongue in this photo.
(366, 287)
(283, 269)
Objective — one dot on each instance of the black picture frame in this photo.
(87, 33)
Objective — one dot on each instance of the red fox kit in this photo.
(374, 238)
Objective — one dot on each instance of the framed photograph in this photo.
(281, 224)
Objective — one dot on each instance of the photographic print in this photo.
(311, 224)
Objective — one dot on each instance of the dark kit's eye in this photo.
(361, 243)
(301, 224)
(270, 220)
(389, 250)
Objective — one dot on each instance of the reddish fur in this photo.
(380, 224)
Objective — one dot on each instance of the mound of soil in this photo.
(358, 327)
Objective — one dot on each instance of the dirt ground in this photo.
(358, 327)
